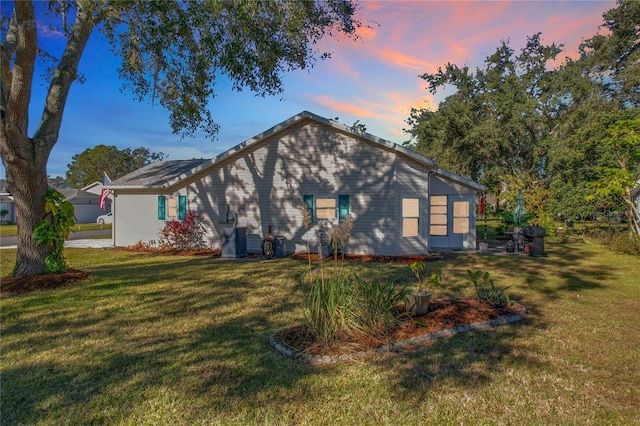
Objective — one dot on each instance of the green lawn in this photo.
(7, 230)
(159, 340)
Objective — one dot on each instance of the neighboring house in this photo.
(94, 188)
(6, 203)
(400, 202)
(85, 204)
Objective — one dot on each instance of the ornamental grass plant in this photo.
(344, 306)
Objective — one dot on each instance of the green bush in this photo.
(54, 229)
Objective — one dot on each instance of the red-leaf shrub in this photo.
(187, 234)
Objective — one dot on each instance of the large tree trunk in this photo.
(27, 180)
(26, 158)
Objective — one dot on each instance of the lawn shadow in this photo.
(203, 332)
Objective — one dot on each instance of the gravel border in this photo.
(326, 359)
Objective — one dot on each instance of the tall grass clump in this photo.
(345, 307)
(626, 243)
(326, 308)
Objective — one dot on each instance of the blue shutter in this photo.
(343, 207)
(182, 207)
(162, 207)
(308, 202)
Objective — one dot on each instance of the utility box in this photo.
(234, 242)
(280, 246)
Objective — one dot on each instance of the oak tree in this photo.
(90, 165)
(171, 51)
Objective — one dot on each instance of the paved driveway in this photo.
(76, 239)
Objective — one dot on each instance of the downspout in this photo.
(429, 173)
(113, 221)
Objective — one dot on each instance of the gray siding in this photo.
(87, 210)
(264, 184)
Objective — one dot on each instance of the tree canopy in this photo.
(566, 135)
(172, 51)
(90, 165)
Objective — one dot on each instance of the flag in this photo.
(104, 194)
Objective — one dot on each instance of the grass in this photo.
(158, 340)
(9, 230)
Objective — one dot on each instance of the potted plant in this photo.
(417, 302)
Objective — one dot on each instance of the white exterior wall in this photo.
(8, 205)
(135, 219)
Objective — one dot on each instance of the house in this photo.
(86, 202)
(400, 203)
(7, 204)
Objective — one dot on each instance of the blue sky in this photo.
(373, 80)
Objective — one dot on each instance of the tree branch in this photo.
(21, 46)
(8, 50)
(64, 75)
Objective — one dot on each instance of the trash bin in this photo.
(280, 246)
(534, 235)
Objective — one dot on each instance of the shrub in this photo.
(54, 229)
(187, 234)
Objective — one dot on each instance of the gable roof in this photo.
(165, 174)
(157, 175)
(72, 194)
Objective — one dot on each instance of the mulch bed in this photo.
(443, 314)
(10, 286)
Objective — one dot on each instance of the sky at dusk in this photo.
(374, 79)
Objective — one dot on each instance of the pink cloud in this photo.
(343, 106)
(395, 58)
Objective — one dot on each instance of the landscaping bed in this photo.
(445, 318)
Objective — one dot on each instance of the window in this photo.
(461, 217)
(326, 208)
(172, 207)
(438, 215)
(410, 217)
